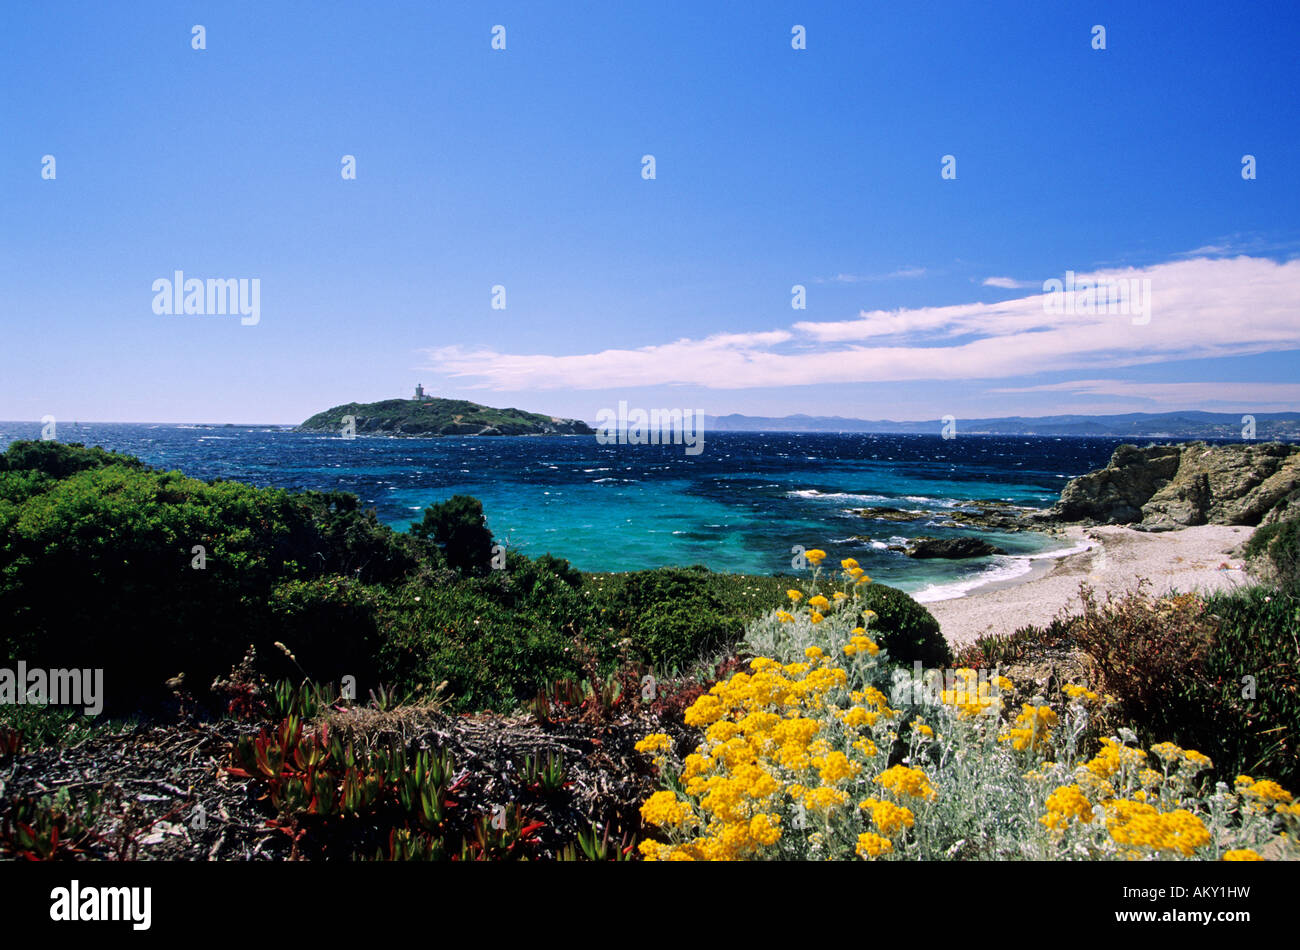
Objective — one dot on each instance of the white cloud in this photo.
(903, 273)
(1009, 283)
(1200, 309)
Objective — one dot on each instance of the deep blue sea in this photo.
(740, 505)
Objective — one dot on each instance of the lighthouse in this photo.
(419, 392)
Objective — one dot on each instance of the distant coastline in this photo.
(1182, 425)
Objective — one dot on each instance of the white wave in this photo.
(1004, 568)
(1009, 569)
(834, 496)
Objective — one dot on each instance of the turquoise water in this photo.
(740, 505)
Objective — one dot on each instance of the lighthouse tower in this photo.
(419, 392)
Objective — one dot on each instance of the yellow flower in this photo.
(816, 555)
(764, 828)
(705, 711)
(866, 747)
(848, 564)
(871, 845)
(1079, 692)
(824, 799)
(1138, 824)
(835, 767)
(902, 780)
(1032, 728)
(784, 617)
(1197, 759)
(654, 850)
(1150, 777)
(1167, 751)
(888, 817)
(666, 810)
(793, 594)
(655, 742)
(839, 595)
(819, 602)
(1243, 854)
(815, 617)
(1065, 803)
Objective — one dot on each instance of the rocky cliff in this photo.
(1162, 487)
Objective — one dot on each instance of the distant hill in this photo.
(433, 416)
(1133, 425)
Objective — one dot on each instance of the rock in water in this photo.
(951, 548)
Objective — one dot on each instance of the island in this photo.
(426, 416)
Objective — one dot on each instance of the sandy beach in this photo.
(1183, 560)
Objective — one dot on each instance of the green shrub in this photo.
(1251, 685)
(491, 657)
(672, 616)
(459, 529)
(905, 628)
(98, 567)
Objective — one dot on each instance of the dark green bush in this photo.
(672, 616)
(1256, 650)
(905, 628)
(489, 655)
(97, 567)
(459, 529)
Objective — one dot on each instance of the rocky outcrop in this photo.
(950, 548)
(994, 514)
(1162, 487)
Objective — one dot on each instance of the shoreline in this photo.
(1185, 559)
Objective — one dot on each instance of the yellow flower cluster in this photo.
(859, 642)
(1112, 765)
(972, 696)
(788, 747)
(655, 742)
(1263, 790)
(871, 845)
(902, 780)
(1137, 824)
(756, 730)
(888, 817)
(1032, 728)
(1067, 802)
(666, 810)
(1080, 692)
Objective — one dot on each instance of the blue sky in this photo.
(523, 168)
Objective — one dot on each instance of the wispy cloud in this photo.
(903, 273)
(1200, 308)
(1010, 283)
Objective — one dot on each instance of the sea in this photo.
(747, 503)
